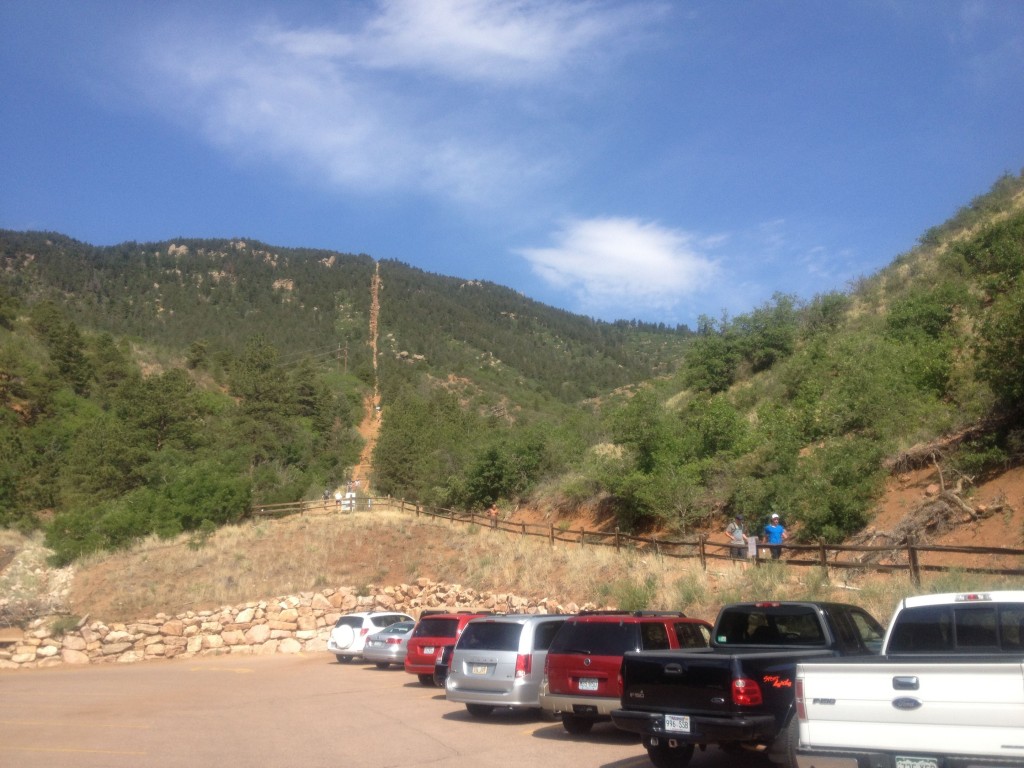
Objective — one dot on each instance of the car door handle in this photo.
(906, 683)
(673, 669)
(906, 703)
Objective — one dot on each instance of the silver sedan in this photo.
(388, 646)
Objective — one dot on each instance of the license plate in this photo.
(907, 761)
(428, 649)
(588, 683)
(478, 669)
(677, 723)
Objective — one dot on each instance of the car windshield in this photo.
(491, 636)
(436, 628)
(596, 638)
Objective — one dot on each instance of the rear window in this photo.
(387, 621)
(770, 625)
(596, 638)
(352, 621)
(398, 628)
(959, 629)
(491, 636)
(436, 628)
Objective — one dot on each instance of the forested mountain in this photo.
(250, 363)
(166, 387)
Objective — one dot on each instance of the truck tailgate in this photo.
(927, 707)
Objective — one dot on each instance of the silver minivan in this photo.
(499, 662)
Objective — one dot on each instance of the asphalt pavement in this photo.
(303, 711)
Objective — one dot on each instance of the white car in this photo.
(350, 631)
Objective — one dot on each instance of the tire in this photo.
(479, 710)
(382, 665)
(343, 636)
(664, 756)
(427, 680)
(341, 659)
(577, 725)
(783, 750)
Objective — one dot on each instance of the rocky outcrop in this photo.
(292, 624)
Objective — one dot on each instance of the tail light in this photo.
(364, 631)
(746, 693)
(394, 641)
(801, 708)
(524, 665)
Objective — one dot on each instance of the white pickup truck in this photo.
(947, 690)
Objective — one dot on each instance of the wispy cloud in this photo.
(417, 97)
(624, 262)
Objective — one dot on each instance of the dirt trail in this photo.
(370, 425)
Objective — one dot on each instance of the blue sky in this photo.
(655, 160)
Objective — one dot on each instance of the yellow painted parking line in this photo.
(72, 751)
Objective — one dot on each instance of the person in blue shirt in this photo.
(775, 533)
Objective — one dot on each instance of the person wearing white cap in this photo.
(775, 533)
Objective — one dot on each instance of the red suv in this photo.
(581, 674)
(432, 634)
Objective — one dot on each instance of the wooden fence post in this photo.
(822, 554)
(551, 535)
(702, 553)
(915, 569)
(616, 538)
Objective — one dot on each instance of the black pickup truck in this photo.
(739, 692)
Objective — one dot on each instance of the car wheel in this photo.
(664, 756)
(427, 680)
(341, 659)
(382, 665)
(577, 725)
(783, 750)
(479, 710)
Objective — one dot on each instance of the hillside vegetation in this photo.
(167, 387)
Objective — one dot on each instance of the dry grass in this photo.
(266, 559)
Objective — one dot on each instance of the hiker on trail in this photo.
(737, 538)
(775, 532)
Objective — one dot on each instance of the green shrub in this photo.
(632, 596)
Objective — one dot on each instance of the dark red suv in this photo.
(431, 635)
(581, 674)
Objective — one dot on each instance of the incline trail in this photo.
(370, 425)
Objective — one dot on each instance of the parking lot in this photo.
(278, 712)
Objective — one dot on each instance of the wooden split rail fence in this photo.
(913, 558)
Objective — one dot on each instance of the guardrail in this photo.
(913, 558)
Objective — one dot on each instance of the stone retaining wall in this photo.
(291, 624)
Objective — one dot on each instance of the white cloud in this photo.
(623, 262)
(490, 41)
(418, 97)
